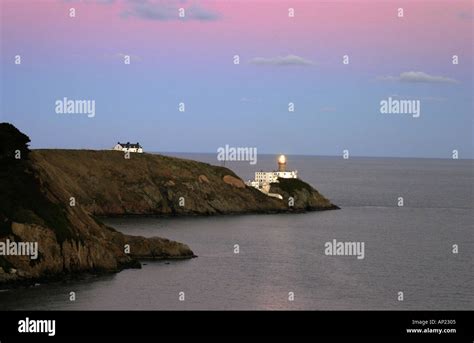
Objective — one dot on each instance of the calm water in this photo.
(406, 249)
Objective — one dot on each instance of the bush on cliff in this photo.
(21, 198)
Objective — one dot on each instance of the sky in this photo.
(282, 59)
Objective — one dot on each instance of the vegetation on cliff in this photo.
(305, 197)
(105, 183)
(52, 197)
(33, 209)
(21, 199)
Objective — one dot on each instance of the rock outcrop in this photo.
(52, 197)
(69, 240)
(107, 184)
(304, 197)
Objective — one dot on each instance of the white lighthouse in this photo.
(282, 163)
(264, 178)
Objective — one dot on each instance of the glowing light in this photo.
(282, 159)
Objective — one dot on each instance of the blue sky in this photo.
(336, 106)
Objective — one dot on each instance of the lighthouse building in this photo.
(264, 178)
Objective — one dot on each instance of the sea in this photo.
(413, 216)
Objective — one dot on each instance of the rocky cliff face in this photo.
(301, 195)
(52, 196)
(36, 209)
(96, 249)
(105, 183)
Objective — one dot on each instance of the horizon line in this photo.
(272, 154)
(310, 155)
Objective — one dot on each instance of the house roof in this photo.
(129, 145)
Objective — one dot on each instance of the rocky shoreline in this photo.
(57, 197)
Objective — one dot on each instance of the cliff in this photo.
(105, 183)
(302, 195)
(36, 209)
(53, 197)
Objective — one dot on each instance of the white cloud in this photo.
(166, 11)
(282, 61)
(418, 77)
(105, 2)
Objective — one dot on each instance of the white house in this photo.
(271, 177)
(264, 178)
(128, 147)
